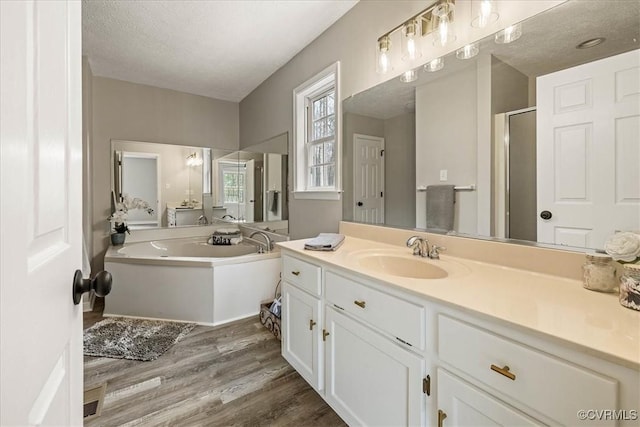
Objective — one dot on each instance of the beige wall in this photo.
(400, 170)
(129, 111)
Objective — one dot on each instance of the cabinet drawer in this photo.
(400, 318)
(301, 273)
(551, 386)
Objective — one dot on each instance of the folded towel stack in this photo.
(325, 242)
(225, 236)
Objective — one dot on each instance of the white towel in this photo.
(325, 242)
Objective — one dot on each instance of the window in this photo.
(233, 177)
(317, 137)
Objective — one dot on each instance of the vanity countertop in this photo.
(556, 307)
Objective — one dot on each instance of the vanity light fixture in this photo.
(409, 76)
(485, 13)
(468, 51)
(410, 47)
(443, 20)
(509, 34)
(193, 159)
(436, 19)
(591, 43)
(434, 65)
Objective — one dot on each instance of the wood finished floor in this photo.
(231, 375)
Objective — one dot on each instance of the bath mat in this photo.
(134, 339)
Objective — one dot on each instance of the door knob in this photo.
(359, 203)
(101, 284)
(545, 215)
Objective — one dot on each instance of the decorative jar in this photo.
(630, 286)
(117, 239)
(599, 273)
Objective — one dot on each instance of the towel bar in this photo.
(471, 187)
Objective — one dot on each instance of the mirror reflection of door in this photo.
(368, 179)
(250, 192)
(140, 179)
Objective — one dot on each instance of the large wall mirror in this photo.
(539, 137)
(191, 186)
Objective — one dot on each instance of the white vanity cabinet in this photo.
(375, 350)
(302, 319)
(370, 380)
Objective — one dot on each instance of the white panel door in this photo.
(463, 405)
(370, 380)
(368, 179)
(41, 212)
(250, 190)
(301, 326)
(588, 151)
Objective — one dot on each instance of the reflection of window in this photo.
(233, 183)
(317, 136)
(321, 119)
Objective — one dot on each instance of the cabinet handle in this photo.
(504, 371)
(325, 334)
(295, 273)
(360, 304)
(441, 416)
(311, 324)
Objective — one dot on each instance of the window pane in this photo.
(329, 175)
(328, 152)
(316, 176)
(317, 130)
(316, 154)
(331, 126)
(331, 103)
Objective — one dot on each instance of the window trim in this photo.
(321, 82)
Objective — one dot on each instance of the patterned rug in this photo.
(134, 339)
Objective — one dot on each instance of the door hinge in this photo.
(381, 194)
(381, 153)
(325, 334)
(426, 385)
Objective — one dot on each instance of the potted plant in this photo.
(624, 248)
(118, 218)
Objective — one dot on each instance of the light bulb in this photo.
(410, 49)
(434, 65)
(383, 60)
(468, 51)
(409, 76)
(509, 34)
(486, 14)
(444, 30)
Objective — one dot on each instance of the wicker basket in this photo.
(269, 320)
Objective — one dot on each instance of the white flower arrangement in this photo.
(118, 218)
(624, 247)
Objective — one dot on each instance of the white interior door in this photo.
(589, 151)
(41, 212)
(368, 179)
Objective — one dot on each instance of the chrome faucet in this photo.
(267, 239)
(202, 220)
(433, 253)
(420, 246)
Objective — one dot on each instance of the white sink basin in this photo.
(415, 268)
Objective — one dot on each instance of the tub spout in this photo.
(267, 239)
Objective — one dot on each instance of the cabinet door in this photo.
(371, 380)
(466, 405)
(301, 326)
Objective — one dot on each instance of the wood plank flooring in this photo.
(217, 376)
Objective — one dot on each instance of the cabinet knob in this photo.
(360, 304)
(311, 324)
(504, 371)
(295, 273)
(441, 416)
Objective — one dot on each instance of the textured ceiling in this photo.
(547, 45)
(220, 49)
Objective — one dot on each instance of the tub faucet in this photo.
(228, 216)
(267, 239)
(420, 246)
